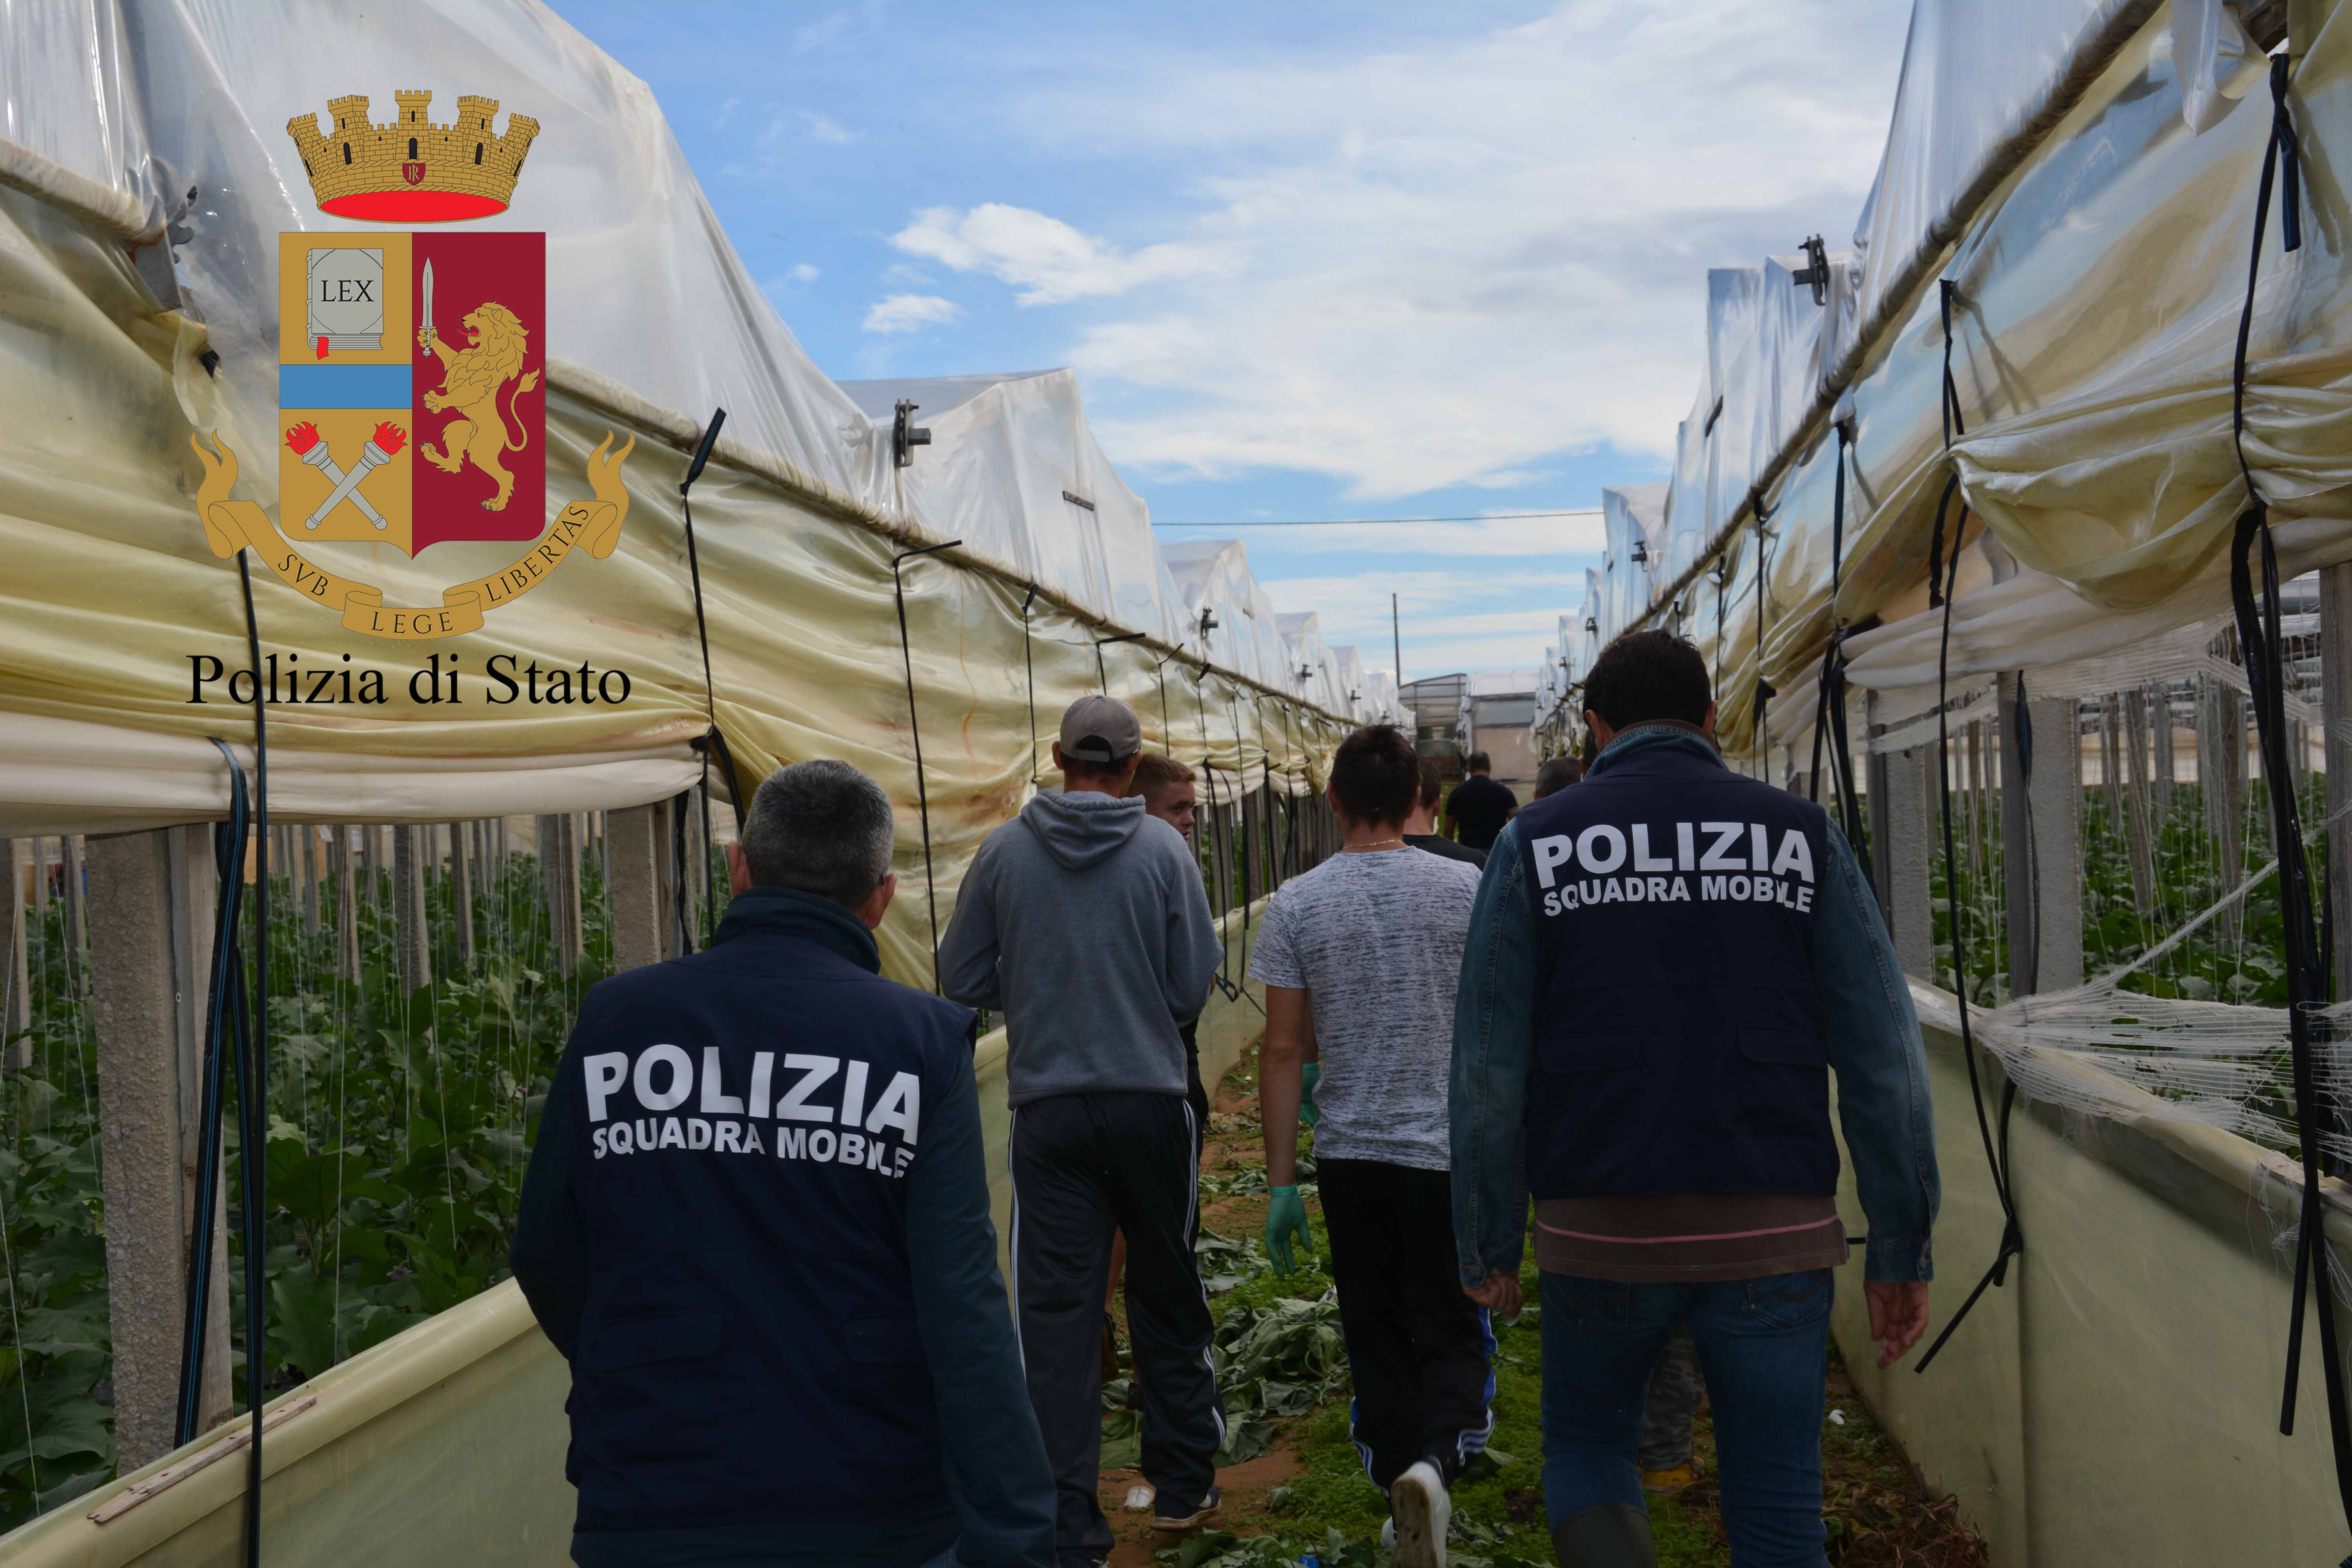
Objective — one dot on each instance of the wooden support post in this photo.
(2042, 841)
(1903, 807)
(461, 894)
(77, 918)
(410, 849)
(2139, 800)
(2336, 703)
(698, 865)
(2161, 719)
(559, 862)
(154, 892)
(341, 858)
(306, 867)
(633, 844)
(2057, 789)
(15, 969)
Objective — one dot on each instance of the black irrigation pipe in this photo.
(714, 737)
(915, 728)
(1028, 671)
(2261, 644)
(253, 1085)
(224, 1019)
(1941, 591)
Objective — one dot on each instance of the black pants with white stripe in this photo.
(1420, 1351)
(1083, 1165)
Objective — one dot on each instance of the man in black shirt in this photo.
(1478, 805)
(1421, 822)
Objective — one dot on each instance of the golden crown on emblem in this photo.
(413, 171)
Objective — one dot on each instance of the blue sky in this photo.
(1311, 261)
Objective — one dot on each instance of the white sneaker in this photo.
(1388, 1533)
(1421, 1513)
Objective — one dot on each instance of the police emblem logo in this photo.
(412, 408)
(409, 370)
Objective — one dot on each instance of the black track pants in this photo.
(1083, 1164)
(1418, 1348)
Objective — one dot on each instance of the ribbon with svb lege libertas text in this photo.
(233, 525)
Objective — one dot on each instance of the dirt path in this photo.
(1879, 1515)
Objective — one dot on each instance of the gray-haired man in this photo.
(1085, 919)
(756, 1224)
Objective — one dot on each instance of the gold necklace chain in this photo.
(1370, 844)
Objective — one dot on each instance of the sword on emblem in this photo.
(425, 331)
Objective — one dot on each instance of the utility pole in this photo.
(1396, 646)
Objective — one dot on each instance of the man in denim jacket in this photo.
(1665, 965)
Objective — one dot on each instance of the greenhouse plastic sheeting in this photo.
(1630, 515)
(1013, 471)
(114, 590)
(1214, 574)
(653, 295)
(2098, 299)
(1686, 531)
(1972, 71)
(1308, 664)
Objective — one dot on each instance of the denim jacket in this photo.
(1874, 1048)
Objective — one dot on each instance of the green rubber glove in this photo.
(1285, 1220)
(1308, 1077)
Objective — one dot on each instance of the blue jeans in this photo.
(1764, 1346)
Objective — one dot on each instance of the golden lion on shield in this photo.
(471, 378)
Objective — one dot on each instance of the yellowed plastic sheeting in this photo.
(2093, 328)
(115, 599)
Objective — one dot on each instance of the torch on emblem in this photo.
(304, 439)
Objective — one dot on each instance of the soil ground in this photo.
(1878, 1514)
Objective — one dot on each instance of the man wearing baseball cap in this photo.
(1084, 919)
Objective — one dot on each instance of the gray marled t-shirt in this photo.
(1375, 940)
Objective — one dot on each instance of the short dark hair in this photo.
(1376, 775)
(819, 827)
(1556, 774)
(1156, 771)
(1433, 782)
(1648, 675)
(1477, 762)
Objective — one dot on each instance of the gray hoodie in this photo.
(1085, 922)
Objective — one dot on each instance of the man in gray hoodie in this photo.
(1084, 919)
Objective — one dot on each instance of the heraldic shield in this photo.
(411, 404)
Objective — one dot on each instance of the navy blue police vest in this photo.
(747, 1350)
(1678, 1038)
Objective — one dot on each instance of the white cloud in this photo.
(1046, 259)
(910, 312)
(1438, 267)
(725, 113)
(817, 34)
(826, 129)
(898, 273)
(1503, 536)
(1449, 620)
(798, 276)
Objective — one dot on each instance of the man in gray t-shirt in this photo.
(1359, 958)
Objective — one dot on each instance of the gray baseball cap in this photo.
(1101, 730)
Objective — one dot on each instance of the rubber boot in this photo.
(1614, 1535)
